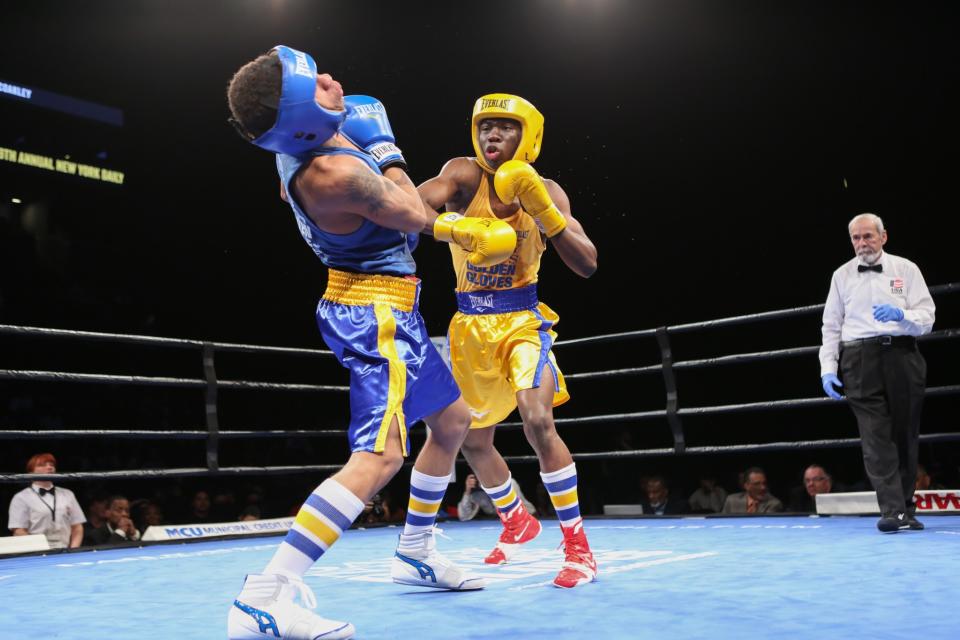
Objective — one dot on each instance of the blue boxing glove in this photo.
(830, 383)
(887, 313)
(367, 127)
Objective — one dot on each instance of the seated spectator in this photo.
(816, 480)
(149, 515)
(754, 497)
(925, 480)
(45, 509)
(375, 510)
(709, 498)
(658, 501)
(200, 508)
(118, 527)
(475, 500)
(96, 513)
(223, 506)
(255, 496)
(251, 512)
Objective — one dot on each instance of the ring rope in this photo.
(17, 330)
(599, 455)
(212, 434)
(154, 381)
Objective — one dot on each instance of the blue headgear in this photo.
(301, 123)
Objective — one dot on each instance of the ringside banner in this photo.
(213, 530)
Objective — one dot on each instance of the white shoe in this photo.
(266, 609)
(417, 562)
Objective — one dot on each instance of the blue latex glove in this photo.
(887, 313)
(830, 382)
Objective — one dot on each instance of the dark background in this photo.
(713, 151)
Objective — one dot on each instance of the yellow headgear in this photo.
(504, 105)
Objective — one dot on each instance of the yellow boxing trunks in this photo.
(500, 343)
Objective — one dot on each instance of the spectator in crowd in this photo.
(118, 527)
(474, 501)
(658, 501)
(925, 480)
(375, 510)
(252, 498)
(249, 513)
(200, 508)
(96, 514)
(754, 498)
(45, 509)
(816, 480)
(149, 514)
(709, 498)
(223, 505)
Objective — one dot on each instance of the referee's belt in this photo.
(887, 341)
(505, 301)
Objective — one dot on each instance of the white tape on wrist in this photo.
(383, 150)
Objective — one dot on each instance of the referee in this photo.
(878, 304)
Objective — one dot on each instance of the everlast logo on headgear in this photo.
(303, 67)
(496, 104)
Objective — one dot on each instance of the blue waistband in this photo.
(479, 302)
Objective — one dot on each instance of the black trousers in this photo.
(884, 385)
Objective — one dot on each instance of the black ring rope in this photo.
(599, 455)
(670, 386)
(185, 383)
(211, 384)
(717, 409)
(952, 287)
(737, 358)
(210, 409)
(802, 445)
(15, 434)
(164, 434)
(7, 329)
(167, 473)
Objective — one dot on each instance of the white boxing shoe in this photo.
(266, 608)
(417, 562)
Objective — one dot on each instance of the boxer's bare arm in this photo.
(446, 190)
(572, 244)
(339, 192)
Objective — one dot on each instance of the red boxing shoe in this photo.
(518, 527)
(579, 567)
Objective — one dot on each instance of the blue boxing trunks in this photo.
(373, 325)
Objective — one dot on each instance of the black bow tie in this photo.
(875, 267)
(44, 492)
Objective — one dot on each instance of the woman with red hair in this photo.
(45, 509)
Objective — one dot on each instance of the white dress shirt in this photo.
(51, 515)
(848, 314)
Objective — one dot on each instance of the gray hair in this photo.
(872, 217)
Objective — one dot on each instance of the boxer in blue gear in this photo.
(357, 210)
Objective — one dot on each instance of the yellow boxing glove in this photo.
(489, 241)
(516, 179)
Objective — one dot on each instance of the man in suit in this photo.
(658, 500)
(754, 498)
(816, 480)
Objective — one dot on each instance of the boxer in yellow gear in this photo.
(501, 335)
